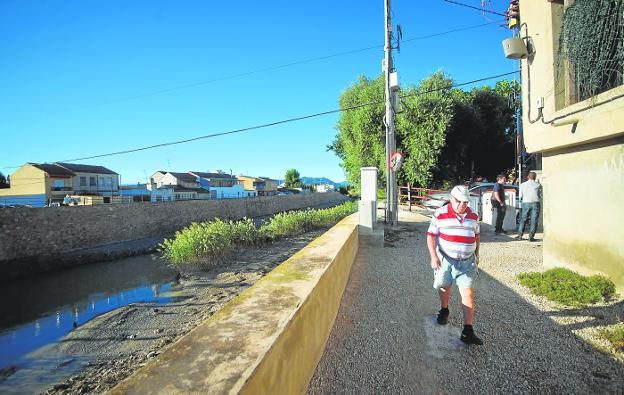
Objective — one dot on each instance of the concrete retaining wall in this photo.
(270, 338)
(36, 239)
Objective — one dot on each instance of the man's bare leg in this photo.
(467, 295)
(445, 294)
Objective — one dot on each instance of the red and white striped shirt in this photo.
(456, 236)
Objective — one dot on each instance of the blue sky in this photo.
(82, 78)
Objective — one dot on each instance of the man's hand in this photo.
(435, 263)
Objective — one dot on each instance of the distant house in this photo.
(147, 193)
(223, 185)
(157, 176)
(92, 180)
(36, 184)
(263, 186)
(325, 188)
(185, 186)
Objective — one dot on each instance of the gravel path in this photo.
(386, 340)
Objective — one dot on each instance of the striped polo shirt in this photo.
(456, 237)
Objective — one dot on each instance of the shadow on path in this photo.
(385, 339)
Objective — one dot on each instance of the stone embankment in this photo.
(38, 240)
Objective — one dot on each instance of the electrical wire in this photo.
(266, 125)
(278, 67)
(475, 8)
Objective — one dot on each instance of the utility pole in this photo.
(391, 196)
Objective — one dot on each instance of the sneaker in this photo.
(503, 231)
(518, 238)
(532, 240)
(470, 338)
(443, 316)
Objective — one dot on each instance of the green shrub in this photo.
(215, 240)
(614, 335)
(567, 287)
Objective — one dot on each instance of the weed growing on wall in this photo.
(213, 241)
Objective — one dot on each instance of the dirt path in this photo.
(109, 348)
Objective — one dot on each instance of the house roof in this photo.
(54, 170)
(183, 176)
(76, 168)
(178, 188)
(213, 175)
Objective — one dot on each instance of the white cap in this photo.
(460, 193)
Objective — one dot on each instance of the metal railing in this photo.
(414, 196)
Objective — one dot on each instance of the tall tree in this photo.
(292, 179)
(3, 180)
(360, 141)
(445, 134)
(422, 126)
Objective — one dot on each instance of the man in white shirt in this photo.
(530, 193)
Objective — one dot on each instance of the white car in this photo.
(437, 200)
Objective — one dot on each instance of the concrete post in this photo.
(370, 233)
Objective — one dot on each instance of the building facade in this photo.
(37, 185)
(263, 186)
(577, 124)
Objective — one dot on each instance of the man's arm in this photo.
(498, 193)
(477, 241)
(431, 245)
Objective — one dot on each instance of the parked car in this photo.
(437, 200)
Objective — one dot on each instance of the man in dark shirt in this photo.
(498, 202)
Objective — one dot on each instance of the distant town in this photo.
(70, 184)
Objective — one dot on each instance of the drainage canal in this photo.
(39, 311)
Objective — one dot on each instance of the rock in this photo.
(7, 372)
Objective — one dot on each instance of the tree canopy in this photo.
(446, 135)
(292, 179)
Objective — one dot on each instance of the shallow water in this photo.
(39, 311)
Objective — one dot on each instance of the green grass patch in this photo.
(567, 287)
(614, 335)
(213, 241)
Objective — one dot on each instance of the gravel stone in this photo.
(386, 341)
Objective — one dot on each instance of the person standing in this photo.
(530, 193)
(498, 202)
(454, 234)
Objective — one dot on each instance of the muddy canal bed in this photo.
(98, 354)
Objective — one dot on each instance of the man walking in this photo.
(498, 202)
(530, 193)
(454, 233)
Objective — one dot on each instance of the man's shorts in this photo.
(462, 272)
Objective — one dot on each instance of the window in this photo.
(83, 181)
(92, 181)
(591, 56)
(59, 183)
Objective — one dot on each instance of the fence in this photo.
(413, 196)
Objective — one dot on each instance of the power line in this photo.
(266, 125)
(475, 8)
(282, 66)
(460, 29)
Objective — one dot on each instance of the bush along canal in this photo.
(39, 311)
